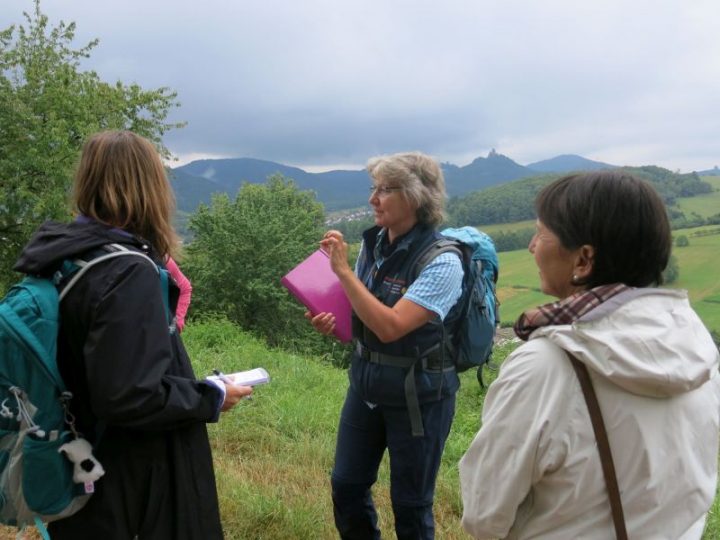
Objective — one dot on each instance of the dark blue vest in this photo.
(384, 384)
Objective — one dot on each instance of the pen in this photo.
(224, 378)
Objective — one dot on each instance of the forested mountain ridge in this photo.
(341, 189)
(514, 201)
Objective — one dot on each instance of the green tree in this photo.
(242, 248)
(682, 241)
(48, 107)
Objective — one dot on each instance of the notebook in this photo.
(315, 284)
(251, 377)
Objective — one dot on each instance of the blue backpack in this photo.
(477, 310)
(36, 475)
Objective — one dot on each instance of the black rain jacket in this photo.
(135, 394)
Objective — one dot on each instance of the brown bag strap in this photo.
(606, 459)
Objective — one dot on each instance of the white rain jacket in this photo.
(533, 470)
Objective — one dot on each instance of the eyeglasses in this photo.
(383, 191)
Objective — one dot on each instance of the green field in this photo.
(714, 181)
(700, 272)
(699, 265)
(518, 285)
(507, 227)
(704, 205)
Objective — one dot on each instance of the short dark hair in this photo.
(620, 215)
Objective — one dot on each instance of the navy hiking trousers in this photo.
(363, 435)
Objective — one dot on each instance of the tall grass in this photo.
(273, 454)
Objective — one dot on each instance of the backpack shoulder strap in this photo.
(434, 249)
(118, 250)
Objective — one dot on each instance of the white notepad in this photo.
(251, 377)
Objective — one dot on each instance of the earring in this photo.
(575, 280)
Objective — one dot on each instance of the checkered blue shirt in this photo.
(439, 285)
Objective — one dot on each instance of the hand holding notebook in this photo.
(314, 284)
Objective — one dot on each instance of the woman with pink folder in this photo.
(402, 383)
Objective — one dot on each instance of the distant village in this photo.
(348, 215)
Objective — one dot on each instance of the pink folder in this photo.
(315, 284)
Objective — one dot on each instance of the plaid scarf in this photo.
(567, 310)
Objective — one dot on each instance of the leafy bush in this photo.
(242, 248)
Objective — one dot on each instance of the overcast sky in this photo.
(330, 83)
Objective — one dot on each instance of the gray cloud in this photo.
(317, 82)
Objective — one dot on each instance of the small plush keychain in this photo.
(86, 469)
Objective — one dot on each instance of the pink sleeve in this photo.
(185, 292)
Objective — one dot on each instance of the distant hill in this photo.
(482, 173)
(195, 182)
(710, 172)
(568, 163)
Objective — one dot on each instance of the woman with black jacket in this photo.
(135, 396)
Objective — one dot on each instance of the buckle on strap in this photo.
(411, 397)
(430, 362)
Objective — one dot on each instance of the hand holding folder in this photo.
(314, 284)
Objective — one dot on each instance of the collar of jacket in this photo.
(372, 252)
(55, 242)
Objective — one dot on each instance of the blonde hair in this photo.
(420, 177)
(121, 182)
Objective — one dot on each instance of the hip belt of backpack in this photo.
(433, 360)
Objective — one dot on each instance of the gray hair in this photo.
(420, 177)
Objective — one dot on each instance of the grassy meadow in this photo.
(518, 281)
(706, 205)
(273, 454)
(508, 227)
(698, 263)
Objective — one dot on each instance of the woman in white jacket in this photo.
(533, 470)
